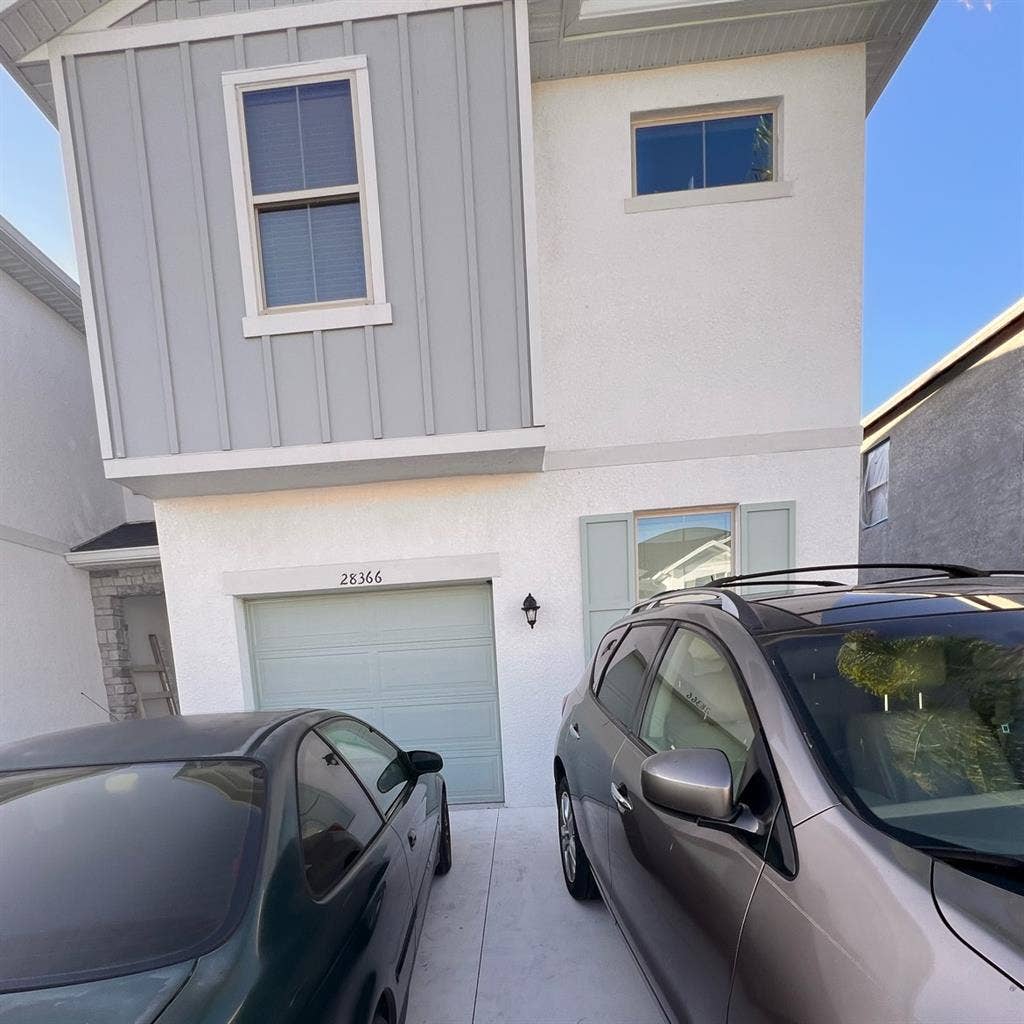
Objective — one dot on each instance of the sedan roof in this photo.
(177, 738)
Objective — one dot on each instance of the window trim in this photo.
(776, 187)
(654, 513)
(260, 319)
(865, 490)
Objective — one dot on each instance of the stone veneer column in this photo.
(109, 589)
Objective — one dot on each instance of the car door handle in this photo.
(412, 838)
(574, 731)
(622, 801)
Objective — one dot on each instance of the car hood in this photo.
(130, 999)
(989, 918)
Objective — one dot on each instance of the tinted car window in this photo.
(621, 688)
(377, 762)
(336, 818)
(604, 652)
(696, 701)
(921, 720)
(111, 870)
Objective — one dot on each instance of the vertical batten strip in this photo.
(152, 258)
(205, 257)
(320, 365)
(239, 42)
(348, 46)
(469, 208)
(416, 223)
(518, 242)
(270, 387)
(293, 44)
(373, 380)
(68, 100)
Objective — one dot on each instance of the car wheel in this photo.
(579, 879)
(444, 854)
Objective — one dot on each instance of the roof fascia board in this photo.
(110, 558)
(947, 362)
(244, 23)
(104, 17)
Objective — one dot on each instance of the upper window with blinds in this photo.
(306, 197)
(874, 488)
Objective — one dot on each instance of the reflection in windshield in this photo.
(922, 722)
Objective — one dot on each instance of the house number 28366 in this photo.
(360, 579)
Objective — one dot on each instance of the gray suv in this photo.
(809, 807)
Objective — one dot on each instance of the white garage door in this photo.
(418, 664)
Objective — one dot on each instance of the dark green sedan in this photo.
(243, 868)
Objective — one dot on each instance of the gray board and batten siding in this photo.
(151, 149)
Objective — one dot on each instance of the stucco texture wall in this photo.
(956, 472)
(530, 521)
(726, 319)
(52, 489)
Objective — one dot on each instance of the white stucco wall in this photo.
(531, 521)
(51, 475)
(52, 495)
(740, 318)
(48, 652)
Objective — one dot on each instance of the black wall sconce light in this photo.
(530, 609)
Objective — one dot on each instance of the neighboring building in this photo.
(943, 476)
(321, 245)
(60, 638)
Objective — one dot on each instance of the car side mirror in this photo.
(692, 781)
(424, 762)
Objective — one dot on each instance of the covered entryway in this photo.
(416, 663)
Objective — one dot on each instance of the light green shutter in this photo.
(768, 537)
(608, 547)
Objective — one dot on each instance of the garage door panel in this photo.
(417, 663)
(449, 727)
(475, 778)
(308, 680)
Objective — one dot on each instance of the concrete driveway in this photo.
(504, 942)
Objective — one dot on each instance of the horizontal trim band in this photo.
(32, 540)
(704, 448)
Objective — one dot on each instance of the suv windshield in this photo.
(921, 722)
(111, 870)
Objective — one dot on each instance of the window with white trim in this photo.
(681, 151)
(683, 548)
(874, 497)
(306, 196)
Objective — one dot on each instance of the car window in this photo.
(622, 686)
(920, 721)
(336, 818)
(697, 701)
(109, 870)
(604, 652)
(377, 762)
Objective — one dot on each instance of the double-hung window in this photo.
(306, 197)
(874, 497)
(684, 548)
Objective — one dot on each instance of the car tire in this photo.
(444, 853)
(576, 870)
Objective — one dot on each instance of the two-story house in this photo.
(403, 310)
(943, 467)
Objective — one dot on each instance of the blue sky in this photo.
(944, 224)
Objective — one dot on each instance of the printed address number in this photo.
(360, 579)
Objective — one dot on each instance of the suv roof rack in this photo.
(937, 568)
(729, 602)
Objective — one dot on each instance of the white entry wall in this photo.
(520, 531)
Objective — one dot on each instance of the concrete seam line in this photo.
(487, 907)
